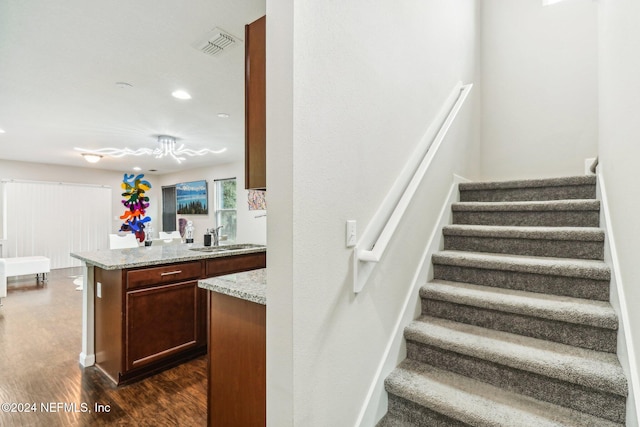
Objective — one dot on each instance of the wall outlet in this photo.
(99, 289)
(351, 235)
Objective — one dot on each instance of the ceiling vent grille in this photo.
(216, 42)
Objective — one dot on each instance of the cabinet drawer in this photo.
(164, 274)
(235, 264)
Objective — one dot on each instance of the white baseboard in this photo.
(619, 302)
(87, 360)
(375, 404)
(587, 165)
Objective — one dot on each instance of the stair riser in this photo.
(529, 218)
(584, 336)
(594, 402)
(530, 247)
(555, 285)
(529, 194)
(419, 415)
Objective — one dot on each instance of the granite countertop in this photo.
(115, 259)
(248, 285)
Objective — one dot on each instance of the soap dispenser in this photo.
(207, 237)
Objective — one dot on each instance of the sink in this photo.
(225, 248)
(210, 249)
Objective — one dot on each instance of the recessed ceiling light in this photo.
(2, 131)
(137, 168)
(91, 158)
(223, 115)
(180, 94)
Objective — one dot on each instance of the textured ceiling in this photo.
(59, 64)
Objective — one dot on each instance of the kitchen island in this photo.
(142, 309)
(237, 349)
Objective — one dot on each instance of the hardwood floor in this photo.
(40, 339)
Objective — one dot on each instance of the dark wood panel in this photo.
(108, 321)
(235, 264)
(203, 320)
(255, 105)
(160, 322)
(237, 362)
(169, 273)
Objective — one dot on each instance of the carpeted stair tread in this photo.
(390, 420)
(587, 234)
(480, 404)
(554, 307)
(529, 183)
(590, 269)
(531, 206)
(559, 241)
(596, 370)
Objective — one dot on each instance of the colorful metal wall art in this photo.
(136, 204)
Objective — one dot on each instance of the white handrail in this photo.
(382, 227)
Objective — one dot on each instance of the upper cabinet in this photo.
(255, 105)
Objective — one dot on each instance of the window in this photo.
(169, 208)
(225, 205)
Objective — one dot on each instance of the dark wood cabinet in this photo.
(161, 321)
(220, 266)
(148, 319)
(237, 362)
(151, 318)
(255, 105)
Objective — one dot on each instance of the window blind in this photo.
(54, 219)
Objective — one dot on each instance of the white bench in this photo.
(38, 265)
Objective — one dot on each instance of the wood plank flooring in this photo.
(40, 340)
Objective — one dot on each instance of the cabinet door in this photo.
(255, 105)
(160, 322)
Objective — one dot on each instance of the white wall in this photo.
(52, 173)
(250, 229)
(539, 77)
(352, 87)
(619, 68)
(280, 268)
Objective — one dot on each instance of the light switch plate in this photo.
(99, 289)
(351, 235)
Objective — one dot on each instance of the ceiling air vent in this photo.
(215, 42)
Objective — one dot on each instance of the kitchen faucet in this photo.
(216, 236)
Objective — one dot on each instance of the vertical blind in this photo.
(55, 219)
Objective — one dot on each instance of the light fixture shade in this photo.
(91, 158)
(181, 94)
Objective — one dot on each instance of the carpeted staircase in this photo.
(516, 327)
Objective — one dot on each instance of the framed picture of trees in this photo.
(192, 198)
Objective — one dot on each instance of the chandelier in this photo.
(166, 147)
